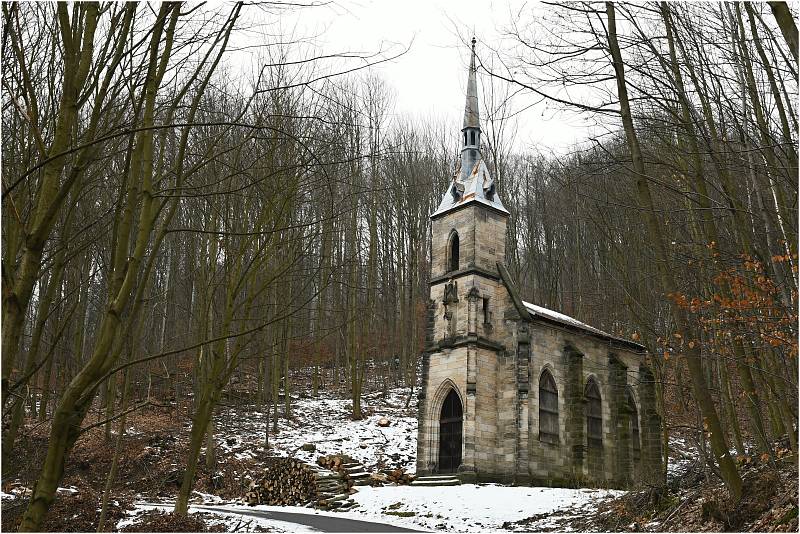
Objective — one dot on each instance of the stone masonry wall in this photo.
(494, 362)
(572, 359)
(446, 370)
(481, 234)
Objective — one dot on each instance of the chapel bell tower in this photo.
(465, 326)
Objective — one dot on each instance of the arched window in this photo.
(548, 408)
(472, 137)
(452, 253)
(634, 425)
(594, 414)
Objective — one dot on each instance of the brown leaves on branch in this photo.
(745, 305)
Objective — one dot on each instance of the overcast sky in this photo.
(430, 80)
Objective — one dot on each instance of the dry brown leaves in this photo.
(158, 521)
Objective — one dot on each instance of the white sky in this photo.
(430, 80)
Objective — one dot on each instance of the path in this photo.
(323, 523)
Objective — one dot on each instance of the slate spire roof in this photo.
(472, 117)
(471, 179)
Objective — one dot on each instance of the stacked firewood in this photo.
(338, 464)
(334, 462)
(284, 482)
(289, 482)
(333, 491)
(351, 470)
(398, 476)
(390, 476)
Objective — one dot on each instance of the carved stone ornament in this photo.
(451, 292)
(473, 294)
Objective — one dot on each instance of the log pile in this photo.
(398, 476)
(333, 490)
(334, 462)
(285, 482)
(353, 472)
(290, 482)
(390, 476)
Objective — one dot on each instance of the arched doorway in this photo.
(450, 430)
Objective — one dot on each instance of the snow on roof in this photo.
(477, 186)
(566, 319)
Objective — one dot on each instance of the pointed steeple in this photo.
(471, 131)
(471, 115)
(471, 180)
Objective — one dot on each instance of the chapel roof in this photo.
(551, 315)
(478, 187)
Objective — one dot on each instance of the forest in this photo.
(181, 235)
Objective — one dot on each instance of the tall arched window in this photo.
(548, 408)
(634, 425)
(594, 414)
(452, 253)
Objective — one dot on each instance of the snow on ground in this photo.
(680, 459)
(230, 521)
(469, 507)
(465, 508)
(326, 424)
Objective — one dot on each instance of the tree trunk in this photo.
(728, 468)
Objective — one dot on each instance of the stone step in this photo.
(330, 500)
(328, 476)
(437, 481)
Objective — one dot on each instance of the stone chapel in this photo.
(513, 392)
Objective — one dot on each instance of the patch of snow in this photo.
(230, 521)
(468, 507)
(205, 498)
(326, 423)
(465, 508)
(680, 455)
(566, 319)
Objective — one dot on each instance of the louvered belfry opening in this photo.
(594, 415)
(548, 409)
(450, 431)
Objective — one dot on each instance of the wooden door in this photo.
(450, 432)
